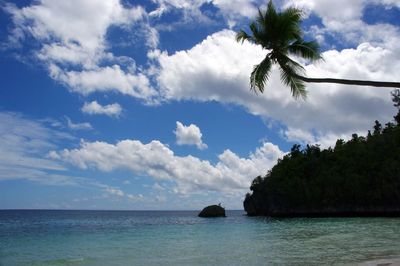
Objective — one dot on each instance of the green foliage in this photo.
(259, 75)
(396, 101)
(280, 33)
(359, 176)
(396, 98)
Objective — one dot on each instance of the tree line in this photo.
(358, 177)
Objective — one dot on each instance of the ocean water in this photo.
(181, 238)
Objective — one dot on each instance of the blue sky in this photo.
(146, 104)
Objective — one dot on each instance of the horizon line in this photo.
(144, 210)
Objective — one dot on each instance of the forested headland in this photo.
(358, 177)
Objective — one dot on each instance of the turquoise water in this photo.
(181, 238)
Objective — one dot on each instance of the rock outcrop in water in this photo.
(360, 177)
(213, 211)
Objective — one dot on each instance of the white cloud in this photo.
(190, 9)
(231, 174)
(298, 135)
(343, 20)
(340, 9)
(138, 197)
(218, 69)
(234, 10)
(76, 25)
(158, 187)
(115, 191)
(24, 145)
(231, 10)
(26, 153)
(94, 107)
(388, 2)
(69, 53)
(189, 135)
(72, 37)
(104, 79)
(78, 126)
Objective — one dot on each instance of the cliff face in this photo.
(360, 177)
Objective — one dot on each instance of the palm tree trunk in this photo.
(351, 82)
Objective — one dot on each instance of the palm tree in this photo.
(280, 33)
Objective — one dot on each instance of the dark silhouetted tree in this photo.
(358, 177)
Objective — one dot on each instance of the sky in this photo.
(145, 105)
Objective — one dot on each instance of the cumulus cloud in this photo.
(94, 108)
(74, 44)
(388, 2)
(104, 79)
(234, 10)
(189, 135)
(218, 69)
(26, 153)
(231, 10)
(231, 174)
(67, 31)
(343, 20)
(330, 10)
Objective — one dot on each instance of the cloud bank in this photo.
(231, 174)
(218, 69)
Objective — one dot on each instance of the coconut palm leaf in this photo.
(242, 36)
(297, 86)
(308, 50)
(280, 33)
(260, 75)
(290, 71)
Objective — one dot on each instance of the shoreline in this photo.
(322, 214)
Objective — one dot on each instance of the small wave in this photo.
(72, 261)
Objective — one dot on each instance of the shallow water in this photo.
(181, 238)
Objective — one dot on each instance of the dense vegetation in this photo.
(360, 177)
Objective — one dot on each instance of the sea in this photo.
(66, 237)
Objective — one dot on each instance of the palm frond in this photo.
(257, 34)
(308, 50)
(260, 17)
(269, 23)
(297, 86)
(290, 70)
(294, 14)
(242, 36)
(260, 75)
(281, 34)
(286, 62)
(271, 11)
(289, 24)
